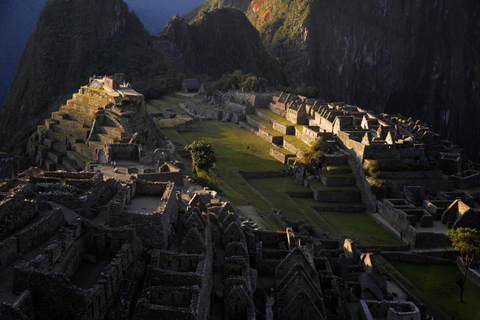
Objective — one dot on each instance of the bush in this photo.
(378, 188)
(204, 179)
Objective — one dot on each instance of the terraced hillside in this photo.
(100, 123)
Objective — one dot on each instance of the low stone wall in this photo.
(81, 176)
(435, 174)
(332, 180)
(251, 121)
(299, 194)
(8, 252)
(256, 100)
(280, 111)
(336, 195)
(16, 211)
(98, 102)
(40, 232)
(76, 105)
(97, 94)
(238, 108)
(124, 151)
(333, 159)
(280, 156)
(292, 148)
(196, 109)
(114, 131)
(176, 177)
(469, 180)
(284, 129)
(88, 118)
(81, 133)
(431, 186)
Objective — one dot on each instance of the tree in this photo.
(203, 155)
(467, 242)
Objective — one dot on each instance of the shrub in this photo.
(204, 179)
(378, 188)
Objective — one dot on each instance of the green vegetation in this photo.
(237, 79)
(467, 242)
(239, 149)
(203, 156)
(203, 159)
(435, 285)
(309, 92)
(314, 157)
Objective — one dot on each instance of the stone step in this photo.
(335, 208)
(108, 139)
(62, 138)
(81, 133)
(345, 179)
(87, 118)
(59, 115)
(77, 159)
(91, 100)
(113, 131)
(337, 169)
(70, 166)
(72, 123)
(82, 107)
(49, 123)
(324, 193)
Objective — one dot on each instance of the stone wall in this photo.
(16, 211)
(238, 108)
(124, 151)
(280, 155)
(284, 129)
(336, 195)
(205, 112)
(434, 174)
(176, 177)
(467, 179)
(154, 228)
(256, 100)
(53, 293)
(292, 148)
(38, 233)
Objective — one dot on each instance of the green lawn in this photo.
(239, 149)
(435, 285)
(236, 149)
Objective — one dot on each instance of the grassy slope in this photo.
(435, 285)
(230, 143)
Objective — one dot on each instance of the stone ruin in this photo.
(106, 120)
(156, 251)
